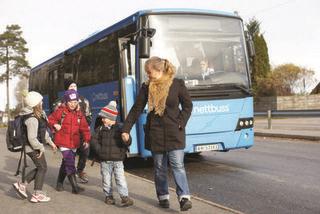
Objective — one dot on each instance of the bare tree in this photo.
(289, 79)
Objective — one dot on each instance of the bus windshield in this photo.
(206, 50)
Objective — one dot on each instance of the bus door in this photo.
(128, 86)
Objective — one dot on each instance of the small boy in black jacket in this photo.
(110, 150)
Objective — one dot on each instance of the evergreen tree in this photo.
(260, 64)
(12, 56)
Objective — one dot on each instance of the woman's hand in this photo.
(57, 127)
(125, 137)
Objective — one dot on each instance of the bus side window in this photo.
(98, 62)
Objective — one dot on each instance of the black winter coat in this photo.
(107, 144)
(42, 127)
(165, 133)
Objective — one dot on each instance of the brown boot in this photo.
(126, 201)
(110, 200)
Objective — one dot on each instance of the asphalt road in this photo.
(274, 176)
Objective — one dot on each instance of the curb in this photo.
(193, 197)
(294, 136)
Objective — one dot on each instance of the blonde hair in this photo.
(37, 111)
(159, 64)
(159, 88)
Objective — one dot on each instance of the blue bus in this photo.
(109, 65)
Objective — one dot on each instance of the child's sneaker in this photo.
(110, 200)
(164, 203)
(83, 178)
(39, 197)
(185, 204)
(21, 190)
(126, 201)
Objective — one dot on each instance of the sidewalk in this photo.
(90, 201)
(296, 128)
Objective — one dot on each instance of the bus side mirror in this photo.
(144, 41)
(251, 50)
(144, 46)
(250, 45)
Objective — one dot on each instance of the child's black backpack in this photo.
(16, 139)
(16, 134)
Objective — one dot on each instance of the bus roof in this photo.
(185, 11)
(99, 35)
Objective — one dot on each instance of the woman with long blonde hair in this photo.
(35, 121)
(165, 127)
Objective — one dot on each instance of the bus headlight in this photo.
(244, 123)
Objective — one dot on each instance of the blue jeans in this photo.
(175, 158)
(108, 168)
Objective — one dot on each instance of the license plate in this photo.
(209, 147)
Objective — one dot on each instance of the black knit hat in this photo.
(68, 82)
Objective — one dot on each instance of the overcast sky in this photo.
(291, 27)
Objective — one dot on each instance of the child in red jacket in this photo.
(68, 123)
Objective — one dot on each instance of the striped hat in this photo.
(109, 111)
